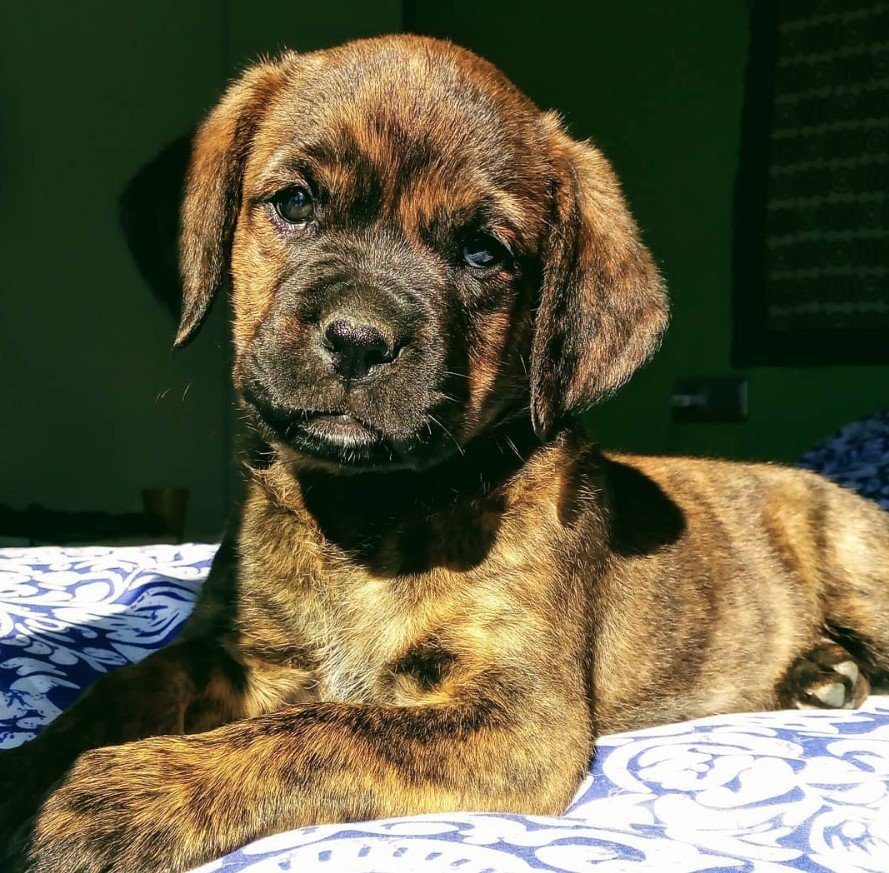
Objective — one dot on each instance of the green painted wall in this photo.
(94, 406)
(659, 87)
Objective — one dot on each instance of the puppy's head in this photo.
(415, 251)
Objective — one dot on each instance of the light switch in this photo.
(709, 399)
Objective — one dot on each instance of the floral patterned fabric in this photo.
(857, 456)
(760, 792)
(67, 616)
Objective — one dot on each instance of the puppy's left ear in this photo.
(213, 190)
(603, 308)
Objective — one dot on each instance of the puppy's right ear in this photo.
(213, 190)
(603, 307)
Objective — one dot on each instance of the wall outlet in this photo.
(714, 399)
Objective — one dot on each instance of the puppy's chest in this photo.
(356, 638)
(363, 641)
(383, 617)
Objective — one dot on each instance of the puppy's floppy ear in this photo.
(213, 190)
(602, 308)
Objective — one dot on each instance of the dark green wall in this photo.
(94, 406)
(659, 87)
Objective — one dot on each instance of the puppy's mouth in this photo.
(334, 436)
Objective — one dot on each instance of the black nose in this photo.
(355, 347)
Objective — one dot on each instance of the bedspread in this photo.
(765, 792)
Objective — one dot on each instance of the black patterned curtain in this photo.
(812, 200)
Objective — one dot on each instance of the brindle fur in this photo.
(451, 629)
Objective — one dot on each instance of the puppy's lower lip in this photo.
(330, 435)
(315, 426)
(339, 428)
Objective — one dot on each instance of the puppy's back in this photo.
(721, 575)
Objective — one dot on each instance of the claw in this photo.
(847, 668)
(832, 695)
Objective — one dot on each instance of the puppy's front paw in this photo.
(827, 677)
(119, 809)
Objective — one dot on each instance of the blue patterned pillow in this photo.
(856, 456)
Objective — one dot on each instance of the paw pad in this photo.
(826, 677)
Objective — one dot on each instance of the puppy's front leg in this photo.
(171, 803)
(188, 686)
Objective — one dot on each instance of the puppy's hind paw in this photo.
(826, 677)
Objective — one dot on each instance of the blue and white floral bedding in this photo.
(856, 456)
(765, 792)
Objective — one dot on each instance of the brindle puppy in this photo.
(438, 591)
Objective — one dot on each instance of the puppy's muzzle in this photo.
(357, 343)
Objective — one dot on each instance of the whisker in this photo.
(459, 447)
(512, 445)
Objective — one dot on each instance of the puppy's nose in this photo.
(356, 346)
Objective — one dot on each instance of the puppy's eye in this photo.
(294, 205)
(483, 251)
